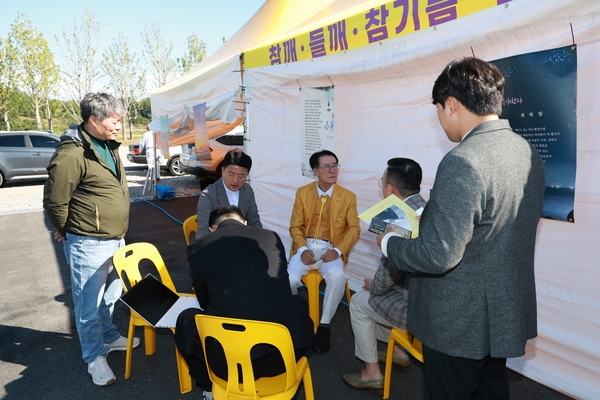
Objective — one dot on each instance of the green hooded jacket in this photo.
(82, 195)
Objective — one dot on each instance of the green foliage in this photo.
(195, 53)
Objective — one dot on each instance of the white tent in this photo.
(383, 110)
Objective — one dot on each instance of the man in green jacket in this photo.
(86, 199)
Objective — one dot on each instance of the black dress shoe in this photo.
(321, 343)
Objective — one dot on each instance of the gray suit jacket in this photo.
(472, 287)
(215, 195)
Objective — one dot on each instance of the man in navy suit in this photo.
(229, 190)
(239, 271)
(472, 296)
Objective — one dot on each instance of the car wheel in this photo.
(175, 167)
(1, 179)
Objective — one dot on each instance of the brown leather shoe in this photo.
(401, 362)
(355, 381)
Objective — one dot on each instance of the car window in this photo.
(12, 141)
(43, 141)
(231, 140)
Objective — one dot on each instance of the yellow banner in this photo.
(390, 20)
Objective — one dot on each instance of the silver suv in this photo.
(25, 154)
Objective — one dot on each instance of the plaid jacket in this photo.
(389, 288)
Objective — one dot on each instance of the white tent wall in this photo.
(383, 110)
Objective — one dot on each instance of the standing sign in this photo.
(540, 103)
(318, 123)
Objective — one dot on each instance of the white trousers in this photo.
(368, 327)
(332, 272)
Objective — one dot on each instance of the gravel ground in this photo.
(24, 195)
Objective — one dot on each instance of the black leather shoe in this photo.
(321, 343)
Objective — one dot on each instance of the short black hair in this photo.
(477, 84)
(221, 213)
(237, 157)
(314, 159)
(405, 175)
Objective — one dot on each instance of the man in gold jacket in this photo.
(324, 227)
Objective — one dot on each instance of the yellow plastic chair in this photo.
(410, 343)
(238, 336)
(126, 261)
(190, 225)
(312, 281)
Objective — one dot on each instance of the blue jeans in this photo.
(95, 287)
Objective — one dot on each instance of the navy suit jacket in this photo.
(215, 195)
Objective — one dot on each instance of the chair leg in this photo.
(312, 280)
(387, 376)
(347, 294)
(129, 351)
(308, 385)
(185, 379)
(149, 339)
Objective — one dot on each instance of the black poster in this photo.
(540, 103)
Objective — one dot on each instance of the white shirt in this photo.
(232, 197)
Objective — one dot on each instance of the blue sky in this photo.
(210, 20)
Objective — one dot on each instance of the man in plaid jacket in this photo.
(383, 303)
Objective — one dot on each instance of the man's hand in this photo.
(330, 255)
(367, 284)
(58, 236)
(308, 257)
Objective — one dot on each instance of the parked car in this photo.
(172, 164)
(25, 154)
(219, 146)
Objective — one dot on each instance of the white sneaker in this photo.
(206, 395)
(101, 373)
(121, 344)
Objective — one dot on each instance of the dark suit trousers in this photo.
(456, 378)
(188, 343)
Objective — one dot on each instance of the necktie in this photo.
(323, 201)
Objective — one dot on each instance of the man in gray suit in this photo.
(472, 290)
(229, 190)
(383, 302)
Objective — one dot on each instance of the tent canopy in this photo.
(383, 110)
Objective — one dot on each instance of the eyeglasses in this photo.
(380, 183)
(331, 167)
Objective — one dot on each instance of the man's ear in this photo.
(212, 228)
(452, 104)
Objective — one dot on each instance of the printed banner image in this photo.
(545, 119)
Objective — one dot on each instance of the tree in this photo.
(7, 84)
(81, 72)
(158, 54)
(36, 72)
(121, 67)
(195, 53)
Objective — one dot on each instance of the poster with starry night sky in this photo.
(540, 104)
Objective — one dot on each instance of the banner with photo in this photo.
(317, 107)
(201, 133)
(540, 103)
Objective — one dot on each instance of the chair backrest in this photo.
(237, 337)
(127, 260)
(190, 225)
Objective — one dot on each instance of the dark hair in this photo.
(237, 157)
(405, 175)
(478, 85)
(102, 105)
(222, 213)
(314, 159)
